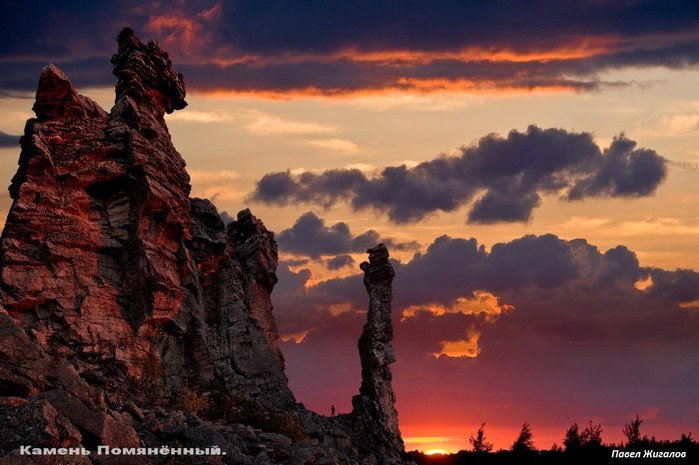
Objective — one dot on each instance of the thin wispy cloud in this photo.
(334, 145)
(193, 116)
(613, 227)
(268, 125)
(680, 123)
(219, 186)
(204, 176)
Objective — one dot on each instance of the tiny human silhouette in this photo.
(332, 411)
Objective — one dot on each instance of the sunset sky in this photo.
(531, 166)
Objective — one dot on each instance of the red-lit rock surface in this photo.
(103, 250)
(123, 302)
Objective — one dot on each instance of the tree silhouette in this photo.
(588, 440)
(632, 431)
(479, 443)
(573, 440)
(524, 442)
(592, 435)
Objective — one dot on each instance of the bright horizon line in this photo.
(543, 438)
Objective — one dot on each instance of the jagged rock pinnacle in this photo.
(145, 75)
(56, 98)
(374, 408)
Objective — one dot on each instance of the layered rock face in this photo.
(124, 303)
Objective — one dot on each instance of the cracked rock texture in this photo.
(130, 317)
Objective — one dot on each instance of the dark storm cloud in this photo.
(502, 178)
(311, 237)
(275, 46)
(8, 140)
(418, 25)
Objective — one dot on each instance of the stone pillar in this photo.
(374, 412)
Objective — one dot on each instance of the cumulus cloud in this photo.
(458, 300)
(501, 178)
(549, 285)
(311, 237)
(452, 269)
(624, 171)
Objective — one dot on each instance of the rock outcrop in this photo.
(106, 258)
(131, 317)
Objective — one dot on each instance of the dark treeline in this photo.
(580, 446)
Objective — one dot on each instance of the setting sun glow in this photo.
(436, 452)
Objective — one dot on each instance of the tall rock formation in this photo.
(124, 302)
(375, 415)
(106, 259)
